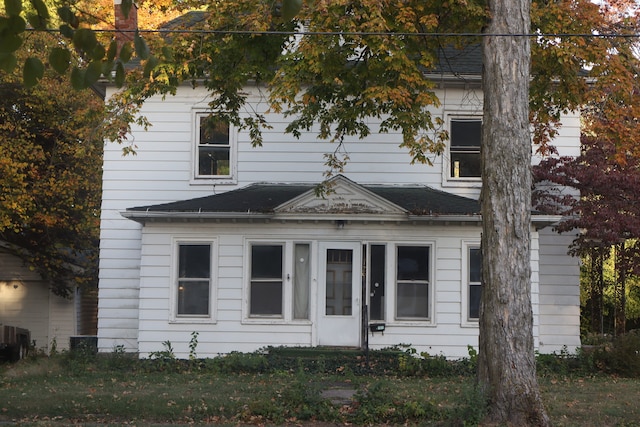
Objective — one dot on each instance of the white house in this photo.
(26, 301)
(202, 233)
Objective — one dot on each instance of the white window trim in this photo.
(213, 285)
(233, 153)
(447, 179)
(287, 288)
(392, 261)
(465, 322)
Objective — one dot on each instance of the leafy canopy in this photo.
(50, 174)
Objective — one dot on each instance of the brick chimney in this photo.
(125, 26)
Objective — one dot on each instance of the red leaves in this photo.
(608, 208)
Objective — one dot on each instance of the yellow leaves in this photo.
(430, 21)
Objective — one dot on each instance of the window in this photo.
(376, 279)
(412, 282)
(214, 152)
(474, 282)
(194, 279)
(466, 135)
(265, 293)
(301, 281)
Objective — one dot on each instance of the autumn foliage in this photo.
(50, 176)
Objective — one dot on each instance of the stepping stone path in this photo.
(339, 393)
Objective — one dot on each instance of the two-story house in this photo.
(200, 232)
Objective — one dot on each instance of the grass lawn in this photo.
(45, 392)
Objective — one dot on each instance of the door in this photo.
(339, 294)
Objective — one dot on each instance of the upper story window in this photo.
(464, 147)
(215, 149)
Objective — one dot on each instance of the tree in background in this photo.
(606, 174)
(50, 175)
(362, 59)
(608, 214)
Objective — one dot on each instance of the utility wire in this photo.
(358, 33)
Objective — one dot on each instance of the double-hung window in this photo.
(214, 150)
(194, 280)
(464, 148)
(266, 285)
(474, 283)
(412, 282)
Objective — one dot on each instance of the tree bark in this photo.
(507, 366)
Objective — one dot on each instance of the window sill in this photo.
(470, 324)
(274, 321)
(193, 320)
(213, 181)
(411, 323)
(462, 182)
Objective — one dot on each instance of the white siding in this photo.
(230, 332)
(26, 302)
(559, 294)
(133, 287)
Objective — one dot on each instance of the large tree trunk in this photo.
(507, 370)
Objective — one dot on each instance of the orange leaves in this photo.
(50, 170)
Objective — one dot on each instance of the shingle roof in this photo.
(465, 60)
(258, 198)
(265, 198)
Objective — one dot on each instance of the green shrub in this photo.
(375, 405)
(621, 356)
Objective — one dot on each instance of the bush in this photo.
(621, 356)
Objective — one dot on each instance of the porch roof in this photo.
(265, 198)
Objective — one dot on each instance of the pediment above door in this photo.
(343, 197)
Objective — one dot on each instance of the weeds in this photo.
(193, 345)
(284, 386)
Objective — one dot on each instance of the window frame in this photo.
(286, 306)
(196, 178)
(174, 316)
(431, 315)
(447, 179)
(384, 288)
(465, 283)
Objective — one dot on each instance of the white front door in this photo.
(339, 293)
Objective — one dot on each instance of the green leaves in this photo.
(32, 72)
(95, 58)
(85, 40)
(59, 59)
(8, 62)
(126, 6)
(67, 16)
(13, 7)
(41, 18)
(10, 43)
(290, 9)
(142, 50)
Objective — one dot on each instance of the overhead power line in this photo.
(362, 33)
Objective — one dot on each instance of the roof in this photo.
(257, 198)
(266, 198)
(465, 60)
(344, 199)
